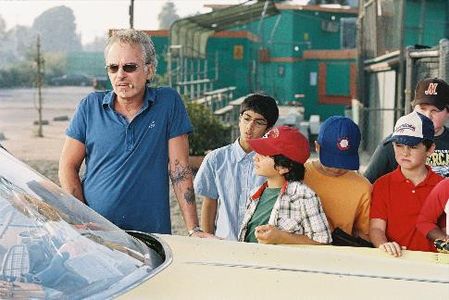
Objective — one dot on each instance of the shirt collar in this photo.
(149, 98)
(256, 196)
(240, 154)
(432, 178)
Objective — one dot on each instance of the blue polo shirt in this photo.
(227, 175)
(126, 178)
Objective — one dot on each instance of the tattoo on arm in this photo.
(180, 173)
(189, 196)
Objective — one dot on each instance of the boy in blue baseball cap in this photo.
(345, 194)
(398, 196)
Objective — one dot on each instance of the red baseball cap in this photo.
(283, 140)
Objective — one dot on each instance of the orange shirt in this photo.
(346, 199)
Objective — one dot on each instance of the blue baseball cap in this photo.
(339, 140)
(412, 129)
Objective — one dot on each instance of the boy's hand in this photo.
(267, 234)
(392, 248)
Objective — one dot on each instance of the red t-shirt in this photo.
(432, 214)
(398, 201)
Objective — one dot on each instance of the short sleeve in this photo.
(433, 207)
(362, 218)
(179, 122)
(204, 182)
(378, 209)
(78, 125)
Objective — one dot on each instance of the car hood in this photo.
(216, 269)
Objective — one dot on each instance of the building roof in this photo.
(191, 34)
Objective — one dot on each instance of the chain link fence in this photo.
(384, 101)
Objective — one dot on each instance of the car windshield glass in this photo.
(54, 247)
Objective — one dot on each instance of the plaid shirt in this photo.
(297, 210)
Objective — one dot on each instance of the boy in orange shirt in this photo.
(344, 193)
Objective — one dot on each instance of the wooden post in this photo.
(39, 62)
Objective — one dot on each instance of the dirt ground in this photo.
(17, 114)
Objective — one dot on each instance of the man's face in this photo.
(252, 126)
(127, 70)
(438, 117)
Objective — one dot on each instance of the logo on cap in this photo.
(431, 89)
(343, 144)
(404, 127)
(273, 133)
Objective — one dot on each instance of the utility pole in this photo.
(131, 15)
(40, 62)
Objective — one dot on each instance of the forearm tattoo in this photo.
(189, 196)
(180, 173)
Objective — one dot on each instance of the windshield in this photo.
(54, 247)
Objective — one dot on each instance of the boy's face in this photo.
(411, 157)
(264, 166)
(252, 126)
(438, 117)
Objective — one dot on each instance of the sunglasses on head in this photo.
(128, 68)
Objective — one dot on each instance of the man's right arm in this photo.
(208, 214)
(72, 156)
(381, 162)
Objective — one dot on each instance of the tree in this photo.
(97, 45)
(208, 132)
(57, 28)
(24, 39)
(2, 27)
(167, 15)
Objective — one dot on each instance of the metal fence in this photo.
(384, 100)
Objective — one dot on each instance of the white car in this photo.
(54, 247)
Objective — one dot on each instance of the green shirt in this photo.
(262, 213)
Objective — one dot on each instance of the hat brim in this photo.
(431, 101)
(404, 140)
(263, 146)
(348, 161)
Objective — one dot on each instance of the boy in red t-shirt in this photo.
(398, 196)
(433, 220)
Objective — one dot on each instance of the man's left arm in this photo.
(182, 179)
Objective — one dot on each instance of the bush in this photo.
(208, 132)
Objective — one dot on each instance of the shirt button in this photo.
(413, 191)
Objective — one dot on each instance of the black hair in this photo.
(296, 170)
(427, 144)
(263, 105)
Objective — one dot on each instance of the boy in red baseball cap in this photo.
(283, 210)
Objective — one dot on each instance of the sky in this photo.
(95, 17)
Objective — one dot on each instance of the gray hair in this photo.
(134, 37)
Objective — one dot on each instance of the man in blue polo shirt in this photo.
(131, 139)
(226, 176)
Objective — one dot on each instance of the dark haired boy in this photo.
(398, 196)
(283, 210)
(226, 176)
